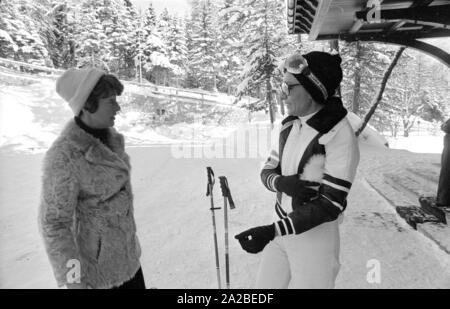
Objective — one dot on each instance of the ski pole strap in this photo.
(211, 180)
(226, 190)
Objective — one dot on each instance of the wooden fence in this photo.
(184, 96)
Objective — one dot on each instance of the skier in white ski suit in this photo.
(311, 170)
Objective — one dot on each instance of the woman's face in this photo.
(105, 114)
(298, 101)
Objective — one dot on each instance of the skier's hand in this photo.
(254, 240)
(295, 187)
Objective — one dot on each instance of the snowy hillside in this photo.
(32, 115)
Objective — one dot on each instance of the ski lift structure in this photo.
(398, 22)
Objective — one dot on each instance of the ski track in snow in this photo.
(175, 226)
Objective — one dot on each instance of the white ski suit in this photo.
(321, 147)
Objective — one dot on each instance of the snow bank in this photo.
(30, 117)
(369, 135)
(419, 144)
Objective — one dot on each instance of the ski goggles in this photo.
(286, 88)
(297, 64)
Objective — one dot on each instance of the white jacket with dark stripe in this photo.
(332, 153)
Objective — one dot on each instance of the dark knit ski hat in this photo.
(320, 74)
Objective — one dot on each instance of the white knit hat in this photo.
(75, 86)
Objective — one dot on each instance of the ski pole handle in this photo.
(211, 181)
(226, 191)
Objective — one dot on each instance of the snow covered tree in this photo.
(381, 90)
(264, 36)
(228, 53)
(147, 28)
(177, 49)
(164, 22)
(190, 80)
(202, 47)
(160, 59)
(118, 26)
(130, 49)
(439, 88)
(8, 30)
(410, 95)
(62, 45)
(92, 47)
(105, 35)
(154, 48)
(363, 66)
(24, 30)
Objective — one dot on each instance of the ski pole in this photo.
(226, 196)
(209, 192)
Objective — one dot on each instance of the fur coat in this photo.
(86, 210)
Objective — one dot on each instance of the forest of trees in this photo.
(230, 46)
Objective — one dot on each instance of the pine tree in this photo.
(154, 48)
(191, 78)
(202, 45)
(264, 37)
(111, 17)
(160, 59)
(228, 53)
(130, 50)
(410, 95)
(92, 47)
(62, 46)
(146, 31)
(24, 30)
(8, 30)
(177, 49)
(363, 66)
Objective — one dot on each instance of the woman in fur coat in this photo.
(311, 169)
(86, 213)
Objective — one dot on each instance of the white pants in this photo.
(305, 261)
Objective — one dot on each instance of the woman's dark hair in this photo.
(106, 86)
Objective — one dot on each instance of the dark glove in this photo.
(254, 240)
(295, 187)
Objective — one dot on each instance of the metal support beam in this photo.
(356, 26)
(419, 3)
(319, 18)
(426, 48)
(436, 15)
(397, 25)
(378, 34)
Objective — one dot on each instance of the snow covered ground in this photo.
(419, 143)
(174, 225)
(172, 211)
